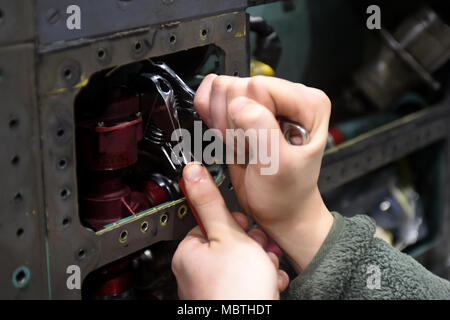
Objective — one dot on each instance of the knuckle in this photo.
(320, 98)
(220, 83)
(256, 82)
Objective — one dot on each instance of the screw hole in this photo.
(229, 27)
(64, 193)
(15, 160)
(163, 219)
(203, 34)
(67, 74)
(144, 227)
(236, 73)
(62, 164)
(138, 45)
(123, 236)
(182, 211)
(18, 197)
(66, 222)
(101, 53)
(172, 39)
(81, 254)
(21, 276)
(19, 232)
(13, 124)
(60, 132)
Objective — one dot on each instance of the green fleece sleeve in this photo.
(352, 264)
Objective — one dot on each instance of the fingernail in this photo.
(193, 172)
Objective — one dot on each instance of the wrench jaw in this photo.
(184, 95)
(157, 131)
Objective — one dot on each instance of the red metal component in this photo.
(155, 194)
(115, 286)
(110, 148)
(107, 144)
(337, 135)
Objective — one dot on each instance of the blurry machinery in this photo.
(410, 55)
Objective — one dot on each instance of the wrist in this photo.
(302, 236)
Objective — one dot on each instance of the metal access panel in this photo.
(43, 66)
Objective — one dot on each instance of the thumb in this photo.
(207, 200)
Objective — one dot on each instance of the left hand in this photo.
(230, 263)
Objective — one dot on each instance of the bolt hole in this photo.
(18, 197)
(13, 124)
(67, 74)
(81, 254)
(64, 193)
(172, 39)
(19, 232)
(101, 53)
(138, 46)
(163, 219)
(15, 160)
(60, 132)
(236, 73)
(62, 164)
(66, 222)
(20, 277)
(144, 227)
(182, 211)
(229, 27)
(203, 34)
(123, 236)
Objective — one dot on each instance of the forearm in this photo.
(352, 264)
(302, 238)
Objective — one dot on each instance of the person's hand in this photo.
(230, 263)
(287, 204)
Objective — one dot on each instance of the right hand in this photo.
(287, 205)
(229, 263)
